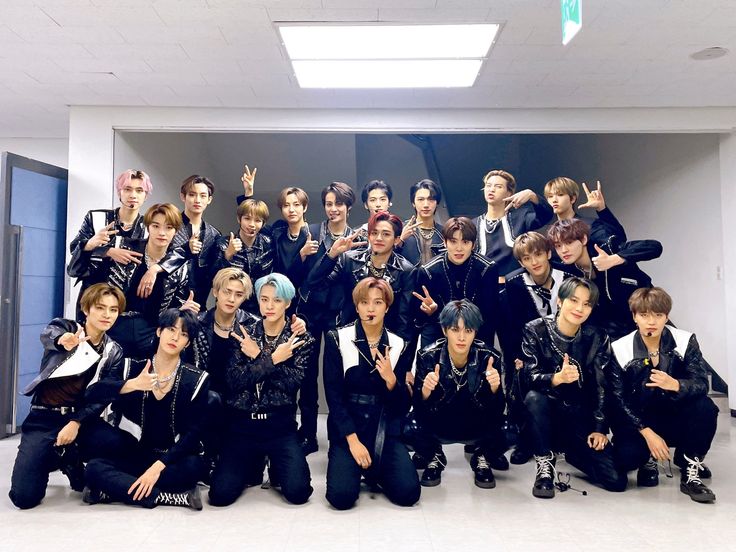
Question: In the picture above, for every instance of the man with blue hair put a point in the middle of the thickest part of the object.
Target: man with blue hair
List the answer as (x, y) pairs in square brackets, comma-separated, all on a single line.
[(458, 396), (261, 383)]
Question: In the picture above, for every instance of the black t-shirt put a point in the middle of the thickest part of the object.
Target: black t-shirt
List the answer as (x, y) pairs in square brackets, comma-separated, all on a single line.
[(222, 348), (158, 433)]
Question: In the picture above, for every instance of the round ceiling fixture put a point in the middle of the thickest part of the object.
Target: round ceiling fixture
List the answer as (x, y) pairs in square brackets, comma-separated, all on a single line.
[(709, 53)]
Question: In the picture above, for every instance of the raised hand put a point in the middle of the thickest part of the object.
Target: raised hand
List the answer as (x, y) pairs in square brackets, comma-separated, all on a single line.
[(568, 374), (123, 256), (431, 381), (286, 350), (247, 345), (492, 376), (603, 261), (195, 244), (428, 305), (518, 199), (190, 304), (249, 180), (233, 246), (101, 238), (384, 368), (343, 244), (298, 326), (310, 247), (146, 380), (593, 199), (408, 230), (71, 340), (658, 378)]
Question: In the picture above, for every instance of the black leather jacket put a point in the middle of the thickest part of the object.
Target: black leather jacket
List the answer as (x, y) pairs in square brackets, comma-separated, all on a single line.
[(349, 371), (201, 266), (260, 386), (188, 415), (105, 384), (349, 269), (410, 249), (198, 354), (543, 348), (483, 398), (679, 356), (480, 287)]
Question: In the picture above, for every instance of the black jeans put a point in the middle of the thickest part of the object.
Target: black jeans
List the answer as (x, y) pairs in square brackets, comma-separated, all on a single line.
[(244, 445), (114, 476), (555, 426), (38, 457), (688, 424), (309, 390), (395, 474)]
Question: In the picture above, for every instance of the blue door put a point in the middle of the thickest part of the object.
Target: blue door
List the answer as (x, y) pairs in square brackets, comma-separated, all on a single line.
[(35, 210)]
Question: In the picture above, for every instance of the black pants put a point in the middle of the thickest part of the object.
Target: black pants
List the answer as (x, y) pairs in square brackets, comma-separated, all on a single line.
[(484, 430), (309, 390), (689, 425), (243, 449), (38, 457), (395, 474), (554, 426), (114, 476)]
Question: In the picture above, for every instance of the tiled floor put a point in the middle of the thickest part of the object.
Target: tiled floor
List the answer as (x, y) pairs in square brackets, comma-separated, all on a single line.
[(454, 516)]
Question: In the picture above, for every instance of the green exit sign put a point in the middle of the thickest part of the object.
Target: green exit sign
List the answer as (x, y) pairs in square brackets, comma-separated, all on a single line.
[(572, 19)]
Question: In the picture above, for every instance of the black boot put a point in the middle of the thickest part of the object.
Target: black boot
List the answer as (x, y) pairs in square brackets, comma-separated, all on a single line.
[(648, 474), (499, 462), (544, 484), (190, 499), (483, 473), (690, 482), (70, 464), (432, 475), (681, 463), (520, 455), (93, 496)]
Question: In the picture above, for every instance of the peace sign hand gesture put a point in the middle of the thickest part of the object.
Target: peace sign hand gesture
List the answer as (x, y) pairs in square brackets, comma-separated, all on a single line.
[(408, 230), (343, 244), (71, 340), (101, 238), (594, 199), (428, 305), (492, 376), (247, 345), (248, 179), (286, 350), (384, 368)]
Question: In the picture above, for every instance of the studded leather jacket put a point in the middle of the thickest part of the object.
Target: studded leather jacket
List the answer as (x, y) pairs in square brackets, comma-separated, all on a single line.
[(543, 348)]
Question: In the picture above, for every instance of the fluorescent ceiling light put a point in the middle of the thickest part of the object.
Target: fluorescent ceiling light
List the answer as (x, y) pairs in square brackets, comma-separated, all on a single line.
[(388, 41), (424, 73)]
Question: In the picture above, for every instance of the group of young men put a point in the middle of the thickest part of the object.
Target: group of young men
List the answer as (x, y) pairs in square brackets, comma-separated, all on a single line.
[(155, 393)]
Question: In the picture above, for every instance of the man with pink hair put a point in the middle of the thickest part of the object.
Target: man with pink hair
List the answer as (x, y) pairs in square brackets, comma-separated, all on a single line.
[(104, 232)]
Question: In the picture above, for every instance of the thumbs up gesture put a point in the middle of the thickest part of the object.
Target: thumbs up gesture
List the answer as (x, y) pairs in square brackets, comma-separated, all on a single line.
[(195, 245), (603, 261), (190, 304), (492, 376), (70, 340), (233, 246), (298, 326), (430, 382), (310, 247), (568, 374)]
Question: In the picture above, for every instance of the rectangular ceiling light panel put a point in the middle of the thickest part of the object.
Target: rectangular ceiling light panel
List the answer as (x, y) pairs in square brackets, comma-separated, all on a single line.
[(387, 56)]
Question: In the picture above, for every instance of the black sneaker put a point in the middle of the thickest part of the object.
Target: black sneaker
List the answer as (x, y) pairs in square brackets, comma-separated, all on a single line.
[(483, 473), (690, 482), (432, 475), (93, 496), (544, 483), (309, 445), (499, 462), (520, 456), (189, 499), (648, 474)]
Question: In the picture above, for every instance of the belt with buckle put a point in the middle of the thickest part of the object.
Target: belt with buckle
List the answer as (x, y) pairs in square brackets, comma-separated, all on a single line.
[(259, 415), (61, 409), (357, 398)]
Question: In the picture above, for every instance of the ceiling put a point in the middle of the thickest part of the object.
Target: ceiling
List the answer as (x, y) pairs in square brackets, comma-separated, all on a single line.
[(226, 53)]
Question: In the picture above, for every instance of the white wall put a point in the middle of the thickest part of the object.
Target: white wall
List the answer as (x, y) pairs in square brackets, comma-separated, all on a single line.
[(54, 151), (727, 151)]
